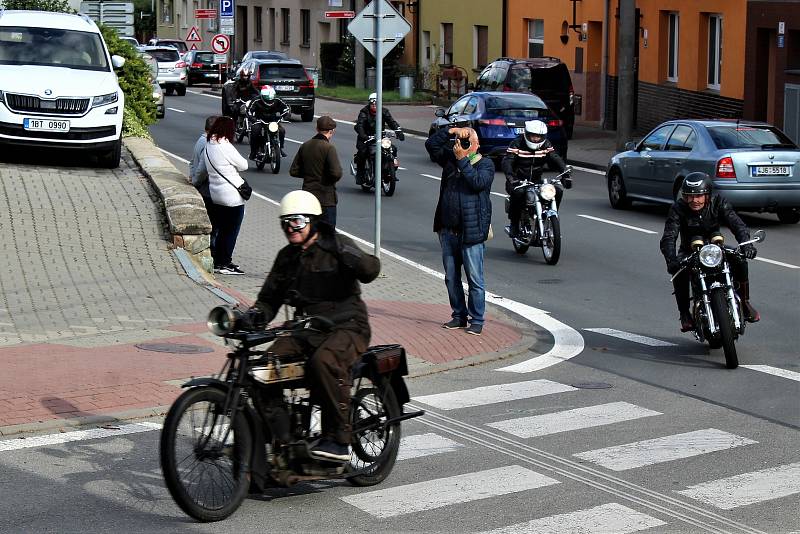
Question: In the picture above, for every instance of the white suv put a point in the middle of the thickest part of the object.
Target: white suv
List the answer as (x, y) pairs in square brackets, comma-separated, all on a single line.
[(58, 87)]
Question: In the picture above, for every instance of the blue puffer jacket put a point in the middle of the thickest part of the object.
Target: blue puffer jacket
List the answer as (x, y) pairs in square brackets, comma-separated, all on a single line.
[(464, 203)]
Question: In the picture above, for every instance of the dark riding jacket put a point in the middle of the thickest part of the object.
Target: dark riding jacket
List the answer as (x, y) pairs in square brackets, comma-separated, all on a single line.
[(365, 124), (268, 112), (520, 162)]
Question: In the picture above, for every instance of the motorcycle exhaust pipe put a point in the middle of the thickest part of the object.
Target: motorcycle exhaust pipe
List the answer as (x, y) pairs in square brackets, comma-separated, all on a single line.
[(352, 169), (224, 320)]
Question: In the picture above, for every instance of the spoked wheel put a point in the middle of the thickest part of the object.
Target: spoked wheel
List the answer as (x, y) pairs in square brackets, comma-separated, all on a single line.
[(240, 133), (205, 455), (369, 178), (524, 224), (374, 444), (551, 242), (388, 184), (275, 162), (719, 307)]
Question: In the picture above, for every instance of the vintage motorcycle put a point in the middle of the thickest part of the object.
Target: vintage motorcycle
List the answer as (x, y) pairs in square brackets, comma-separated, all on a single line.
[(252, 425), (539, 225), (271, 151), (389, 164), (242, 120), (716, 308)]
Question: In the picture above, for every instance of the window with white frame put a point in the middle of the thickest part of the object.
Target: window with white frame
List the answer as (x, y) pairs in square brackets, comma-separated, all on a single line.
[(714, 51), (535, 38), (673, 37)]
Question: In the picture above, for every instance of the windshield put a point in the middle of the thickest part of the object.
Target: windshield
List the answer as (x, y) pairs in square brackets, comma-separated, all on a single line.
[(165, 55), (281, 72), (747, 136), (514, 102), (52, 47)]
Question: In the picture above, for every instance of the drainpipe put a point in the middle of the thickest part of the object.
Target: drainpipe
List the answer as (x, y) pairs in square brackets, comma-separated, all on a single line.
[(604, 63)]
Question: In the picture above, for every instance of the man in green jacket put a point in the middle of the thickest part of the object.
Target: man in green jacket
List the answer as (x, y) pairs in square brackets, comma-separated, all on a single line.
[(318, 165)]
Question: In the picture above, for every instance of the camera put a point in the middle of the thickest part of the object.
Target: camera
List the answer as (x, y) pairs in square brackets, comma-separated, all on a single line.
[(464, 142)]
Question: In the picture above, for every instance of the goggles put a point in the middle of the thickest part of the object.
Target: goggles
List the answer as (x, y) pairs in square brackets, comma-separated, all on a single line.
[(294, 223)]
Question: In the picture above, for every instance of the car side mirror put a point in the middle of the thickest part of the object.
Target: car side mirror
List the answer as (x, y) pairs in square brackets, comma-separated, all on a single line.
[(440, 112), (117, 61), (630, 145)]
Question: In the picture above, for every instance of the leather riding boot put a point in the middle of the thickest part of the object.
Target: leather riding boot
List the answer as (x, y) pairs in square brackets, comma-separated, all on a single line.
[(687, 322), (751, 314)]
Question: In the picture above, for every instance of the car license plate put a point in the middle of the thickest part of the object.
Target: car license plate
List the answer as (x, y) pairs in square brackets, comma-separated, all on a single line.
[(519, 130), (164, 70), (772, 170), (45, 125), (284, 87)]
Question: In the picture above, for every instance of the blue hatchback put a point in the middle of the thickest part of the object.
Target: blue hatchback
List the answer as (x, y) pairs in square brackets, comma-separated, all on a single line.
[(499, 117)]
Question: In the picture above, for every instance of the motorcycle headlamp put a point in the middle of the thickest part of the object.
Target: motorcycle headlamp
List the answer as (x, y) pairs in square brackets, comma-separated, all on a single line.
[(547, 191), (273, 127), (103, 100), (386, 143), (711, 255)]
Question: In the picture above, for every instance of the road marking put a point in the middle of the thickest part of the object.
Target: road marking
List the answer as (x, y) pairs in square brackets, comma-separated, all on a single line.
[(177, 110), (627, 336), (775, 262), (748, 488), (186, 161), (591, 171), (664, 449), (568, 420), (441, 492), (484, 395), (78, 435), (777, 371), (607, 518), (204, 94), (438, 178), (420, 445), (629, 227)]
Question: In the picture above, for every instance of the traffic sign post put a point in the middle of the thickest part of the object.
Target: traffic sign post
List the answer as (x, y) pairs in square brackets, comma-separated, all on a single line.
[(376, 24)]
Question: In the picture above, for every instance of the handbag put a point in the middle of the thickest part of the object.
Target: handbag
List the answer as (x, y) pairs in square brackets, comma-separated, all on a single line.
[(244, 190)]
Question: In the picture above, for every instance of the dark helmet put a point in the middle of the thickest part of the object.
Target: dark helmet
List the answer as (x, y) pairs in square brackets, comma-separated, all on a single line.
[(696, 183)]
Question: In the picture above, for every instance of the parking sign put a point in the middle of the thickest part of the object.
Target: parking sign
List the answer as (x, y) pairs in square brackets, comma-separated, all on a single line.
[(226, 8)]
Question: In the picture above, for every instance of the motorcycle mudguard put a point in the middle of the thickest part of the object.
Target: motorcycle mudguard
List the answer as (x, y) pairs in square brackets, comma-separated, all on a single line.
[(386, 360), (549, 212)]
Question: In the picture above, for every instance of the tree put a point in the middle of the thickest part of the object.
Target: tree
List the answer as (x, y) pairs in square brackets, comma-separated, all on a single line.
[(60, 6)]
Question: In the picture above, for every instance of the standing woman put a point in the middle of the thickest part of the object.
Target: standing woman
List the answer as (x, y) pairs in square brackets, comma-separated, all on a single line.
[(224, 163)]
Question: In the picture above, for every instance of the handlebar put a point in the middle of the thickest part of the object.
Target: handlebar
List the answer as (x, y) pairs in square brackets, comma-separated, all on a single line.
[(386, 133)]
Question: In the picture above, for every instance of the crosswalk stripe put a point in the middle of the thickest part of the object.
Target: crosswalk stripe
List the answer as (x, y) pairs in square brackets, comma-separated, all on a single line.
[(664, 449), (636, 338), (493, 394), (78, 435), (437, 493), (748, 488), (777, 371), (607, 518), (420, 445), (588, 417)]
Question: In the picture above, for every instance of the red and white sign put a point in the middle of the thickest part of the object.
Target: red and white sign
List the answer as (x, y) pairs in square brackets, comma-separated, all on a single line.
[(193, 47), (340, 14), (205, 13), (220, 43), (194, 35)]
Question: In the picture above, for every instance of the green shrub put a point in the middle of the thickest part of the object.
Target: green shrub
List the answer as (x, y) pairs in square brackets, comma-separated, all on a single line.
[(60, 6), (132, 126)]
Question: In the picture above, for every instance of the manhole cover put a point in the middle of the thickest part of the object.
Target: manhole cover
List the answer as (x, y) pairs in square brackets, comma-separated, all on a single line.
[(592, 385), (175, 348)]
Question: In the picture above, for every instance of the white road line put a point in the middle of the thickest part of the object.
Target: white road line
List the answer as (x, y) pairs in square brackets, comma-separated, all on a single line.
[(441, 492), (204, 94), (78, 435), (629, 227), (777, 371), (484, 395), (177, 110), (627, 336), (568, 420), (420, 445), (775, 262), (664, 449), (606, 518), (591, 171), (170, 154), (438, 178), (748, 488)]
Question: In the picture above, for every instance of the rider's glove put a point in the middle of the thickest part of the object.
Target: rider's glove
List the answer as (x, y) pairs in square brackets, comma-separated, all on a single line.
[(400, 135), (673, 265), (749, 251), (252, 319)]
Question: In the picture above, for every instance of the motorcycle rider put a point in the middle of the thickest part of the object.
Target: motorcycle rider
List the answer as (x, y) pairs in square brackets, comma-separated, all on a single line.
[(318, 273), (242, 90), (526, 158), (699, 213), (365, 127), (267, 108)]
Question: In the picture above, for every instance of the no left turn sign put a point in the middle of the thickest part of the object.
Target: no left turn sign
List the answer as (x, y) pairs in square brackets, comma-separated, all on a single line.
[(220, 43)]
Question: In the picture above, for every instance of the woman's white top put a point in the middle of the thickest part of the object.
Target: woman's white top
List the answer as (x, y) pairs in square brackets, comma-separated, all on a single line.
[(225, 160)]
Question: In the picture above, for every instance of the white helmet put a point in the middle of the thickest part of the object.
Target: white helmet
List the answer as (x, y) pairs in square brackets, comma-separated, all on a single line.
[(300, 203), (267, 93), (373, 97), (535, 134)]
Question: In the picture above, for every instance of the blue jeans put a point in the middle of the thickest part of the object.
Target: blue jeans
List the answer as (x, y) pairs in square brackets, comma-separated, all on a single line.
[(329, 215), (229, 221), (454, 256)]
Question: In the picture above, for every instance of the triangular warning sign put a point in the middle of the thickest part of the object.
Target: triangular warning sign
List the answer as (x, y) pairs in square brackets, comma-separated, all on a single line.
[(193, 47), (194, 35)]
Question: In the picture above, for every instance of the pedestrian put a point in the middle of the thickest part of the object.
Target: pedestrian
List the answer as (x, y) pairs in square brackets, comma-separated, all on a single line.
[(198, 174), (317, 163), (463, 220), (224, 163)]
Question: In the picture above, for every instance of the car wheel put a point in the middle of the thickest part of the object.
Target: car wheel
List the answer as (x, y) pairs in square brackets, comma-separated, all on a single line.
[(788, 215), (181, 90), (307, 115), (169, 90), (617, 195), (110, 159)]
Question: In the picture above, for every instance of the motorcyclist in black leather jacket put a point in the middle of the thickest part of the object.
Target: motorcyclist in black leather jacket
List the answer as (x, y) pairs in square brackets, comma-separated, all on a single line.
[(699, 213), (365, 128), (526, 158), (242, 90), (267, 108)]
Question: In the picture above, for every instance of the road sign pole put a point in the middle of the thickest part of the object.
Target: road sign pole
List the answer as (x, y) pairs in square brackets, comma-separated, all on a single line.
[(378, 179)]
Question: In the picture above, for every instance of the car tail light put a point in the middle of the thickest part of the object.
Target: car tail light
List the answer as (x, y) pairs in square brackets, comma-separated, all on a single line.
[(555, 123), (492, 122), (309, 84), (180, 65), (197, 65), (725, 168)]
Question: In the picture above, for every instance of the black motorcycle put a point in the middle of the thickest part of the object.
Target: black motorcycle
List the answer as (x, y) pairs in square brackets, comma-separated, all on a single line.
[(270, 152), (716, 308), (389, 164), (539, 225), (242, 120), (253, 424)]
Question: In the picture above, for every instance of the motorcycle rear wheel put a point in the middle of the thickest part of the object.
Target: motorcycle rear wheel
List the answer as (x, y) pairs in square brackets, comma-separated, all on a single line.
[(719, 307), (374, 448), (551, 245), (275, 162), (207, 478)]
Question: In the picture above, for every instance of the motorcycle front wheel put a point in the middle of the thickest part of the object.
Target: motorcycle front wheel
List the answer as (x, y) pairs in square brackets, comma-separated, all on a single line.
[(388, 183), (374, 444), (551, 241), (275, 161), (205, 455), (719, 307)]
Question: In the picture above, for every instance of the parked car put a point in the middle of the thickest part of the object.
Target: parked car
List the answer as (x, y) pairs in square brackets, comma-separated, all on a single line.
[(175, 43), (499, 117), (200, 67), (58, 87), (288, 77), (546, 77), (172, 74), (132, 40), (753, 165), (158, 93)]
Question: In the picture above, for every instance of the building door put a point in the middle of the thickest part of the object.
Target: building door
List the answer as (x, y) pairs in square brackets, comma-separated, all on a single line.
[(791, 111)]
